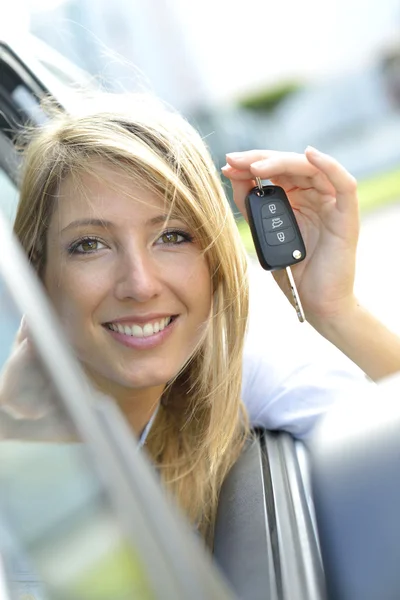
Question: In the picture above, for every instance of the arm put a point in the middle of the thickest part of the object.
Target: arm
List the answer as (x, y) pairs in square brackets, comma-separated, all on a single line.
[(364, 339), (324, 198)]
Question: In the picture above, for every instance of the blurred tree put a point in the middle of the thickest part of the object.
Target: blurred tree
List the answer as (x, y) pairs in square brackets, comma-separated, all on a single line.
[(266, 100)]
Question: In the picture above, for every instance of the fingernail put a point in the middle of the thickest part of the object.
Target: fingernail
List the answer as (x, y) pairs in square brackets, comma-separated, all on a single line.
[(313, 150), (260, 163), (23, 327), (234, 154), (224, 167)]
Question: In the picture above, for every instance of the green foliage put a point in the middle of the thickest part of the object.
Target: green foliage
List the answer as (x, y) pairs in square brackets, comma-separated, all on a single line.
[(377, 191), (266, 100), (117, 575)]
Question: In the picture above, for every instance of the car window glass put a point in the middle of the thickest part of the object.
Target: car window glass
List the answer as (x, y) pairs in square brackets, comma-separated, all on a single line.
[(78, 497), (52, 501), (24, 99), (8, 196)]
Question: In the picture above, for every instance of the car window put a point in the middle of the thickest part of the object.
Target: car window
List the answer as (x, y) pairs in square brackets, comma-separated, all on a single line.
[(53, 505), (60, 67), (82, 514), (8, 196)]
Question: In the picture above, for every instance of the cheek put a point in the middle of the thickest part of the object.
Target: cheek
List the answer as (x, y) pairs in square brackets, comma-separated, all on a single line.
[(195, 284), (73, 292)]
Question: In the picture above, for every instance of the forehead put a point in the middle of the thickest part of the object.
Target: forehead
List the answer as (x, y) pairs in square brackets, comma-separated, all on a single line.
[(108, 193)]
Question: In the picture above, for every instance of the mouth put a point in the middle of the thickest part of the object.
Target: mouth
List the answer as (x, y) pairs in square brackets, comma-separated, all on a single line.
[(144, 336), (141, 331)]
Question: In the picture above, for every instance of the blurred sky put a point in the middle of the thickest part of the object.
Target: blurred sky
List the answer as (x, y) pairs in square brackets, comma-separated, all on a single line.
[(240, 45)]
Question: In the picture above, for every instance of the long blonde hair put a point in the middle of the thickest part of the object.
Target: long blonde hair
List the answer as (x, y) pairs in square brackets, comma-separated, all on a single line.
[(201, 425)]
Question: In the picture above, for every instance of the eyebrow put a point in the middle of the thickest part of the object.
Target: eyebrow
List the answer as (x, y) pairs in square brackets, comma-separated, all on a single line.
[(104, 224)]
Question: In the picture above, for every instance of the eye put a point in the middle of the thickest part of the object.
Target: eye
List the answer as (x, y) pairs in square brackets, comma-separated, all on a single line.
[(174, 237), (87, 245)]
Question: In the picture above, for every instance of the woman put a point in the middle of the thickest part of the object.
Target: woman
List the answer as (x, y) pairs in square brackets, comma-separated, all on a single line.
[(123, 216)]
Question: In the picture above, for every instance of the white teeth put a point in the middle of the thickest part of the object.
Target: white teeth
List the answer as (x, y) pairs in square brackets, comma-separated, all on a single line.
[(148, 330), (137, 331)]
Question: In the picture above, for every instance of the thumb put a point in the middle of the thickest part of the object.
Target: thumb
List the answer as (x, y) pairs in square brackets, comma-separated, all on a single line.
[(240, 192), (22, 332)]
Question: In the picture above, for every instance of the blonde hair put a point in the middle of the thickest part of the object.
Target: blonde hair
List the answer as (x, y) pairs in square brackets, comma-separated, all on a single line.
[(201, 425)]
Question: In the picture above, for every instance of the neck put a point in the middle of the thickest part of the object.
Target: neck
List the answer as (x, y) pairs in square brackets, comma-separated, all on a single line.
[(137, 405)]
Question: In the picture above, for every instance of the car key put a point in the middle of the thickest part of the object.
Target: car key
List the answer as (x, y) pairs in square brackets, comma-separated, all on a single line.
[(275, 233)]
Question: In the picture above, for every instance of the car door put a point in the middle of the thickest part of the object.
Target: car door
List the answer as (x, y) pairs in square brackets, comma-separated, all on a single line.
[(29, 71)]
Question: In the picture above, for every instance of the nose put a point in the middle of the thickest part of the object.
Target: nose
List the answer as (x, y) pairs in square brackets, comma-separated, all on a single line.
[(138, 278)]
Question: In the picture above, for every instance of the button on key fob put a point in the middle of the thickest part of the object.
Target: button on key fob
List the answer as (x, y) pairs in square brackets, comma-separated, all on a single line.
[(275, 233), (274, 228)]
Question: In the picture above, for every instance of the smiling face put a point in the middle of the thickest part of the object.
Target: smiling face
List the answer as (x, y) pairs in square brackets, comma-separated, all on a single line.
[(133, 292)]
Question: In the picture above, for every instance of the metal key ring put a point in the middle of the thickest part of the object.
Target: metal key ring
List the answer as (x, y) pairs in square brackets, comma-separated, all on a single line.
[(260, 186)]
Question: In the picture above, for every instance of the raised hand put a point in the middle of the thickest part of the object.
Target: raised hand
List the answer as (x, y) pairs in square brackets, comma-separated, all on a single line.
[(29, 407), (324, 199)]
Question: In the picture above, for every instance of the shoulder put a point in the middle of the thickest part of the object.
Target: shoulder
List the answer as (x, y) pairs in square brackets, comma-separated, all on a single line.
[(292, 388), (291, 375)]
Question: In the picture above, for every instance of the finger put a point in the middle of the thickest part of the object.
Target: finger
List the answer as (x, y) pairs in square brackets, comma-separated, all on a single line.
[(23, 337), (344, 183), (240, 191), (242, 160), (22, 332), (23, 385), (288, 182), (266, 163), (53, 428), (285, 164), (291, 183), (285, 176), (238, 174)]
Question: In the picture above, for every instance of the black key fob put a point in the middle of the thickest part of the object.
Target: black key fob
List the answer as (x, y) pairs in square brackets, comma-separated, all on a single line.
[(274, 228)]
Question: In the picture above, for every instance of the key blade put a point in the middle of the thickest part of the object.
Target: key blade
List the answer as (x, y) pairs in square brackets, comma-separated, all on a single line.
[(295, 294)]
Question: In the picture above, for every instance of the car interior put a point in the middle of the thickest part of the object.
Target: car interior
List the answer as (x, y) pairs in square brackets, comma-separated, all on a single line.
[(281, 533)]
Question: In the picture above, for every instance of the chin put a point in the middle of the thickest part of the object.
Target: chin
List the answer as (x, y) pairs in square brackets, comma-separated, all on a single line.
[(147, 379)]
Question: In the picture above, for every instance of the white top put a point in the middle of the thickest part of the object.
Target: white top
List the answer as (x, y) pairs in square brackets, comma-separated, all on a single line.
[(291, 374), (292, 393)]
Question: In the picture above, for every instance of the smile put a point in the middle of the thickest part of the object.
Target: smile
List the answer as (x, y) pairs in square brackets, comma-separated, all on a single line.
[(145, 336), (138, 331)]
